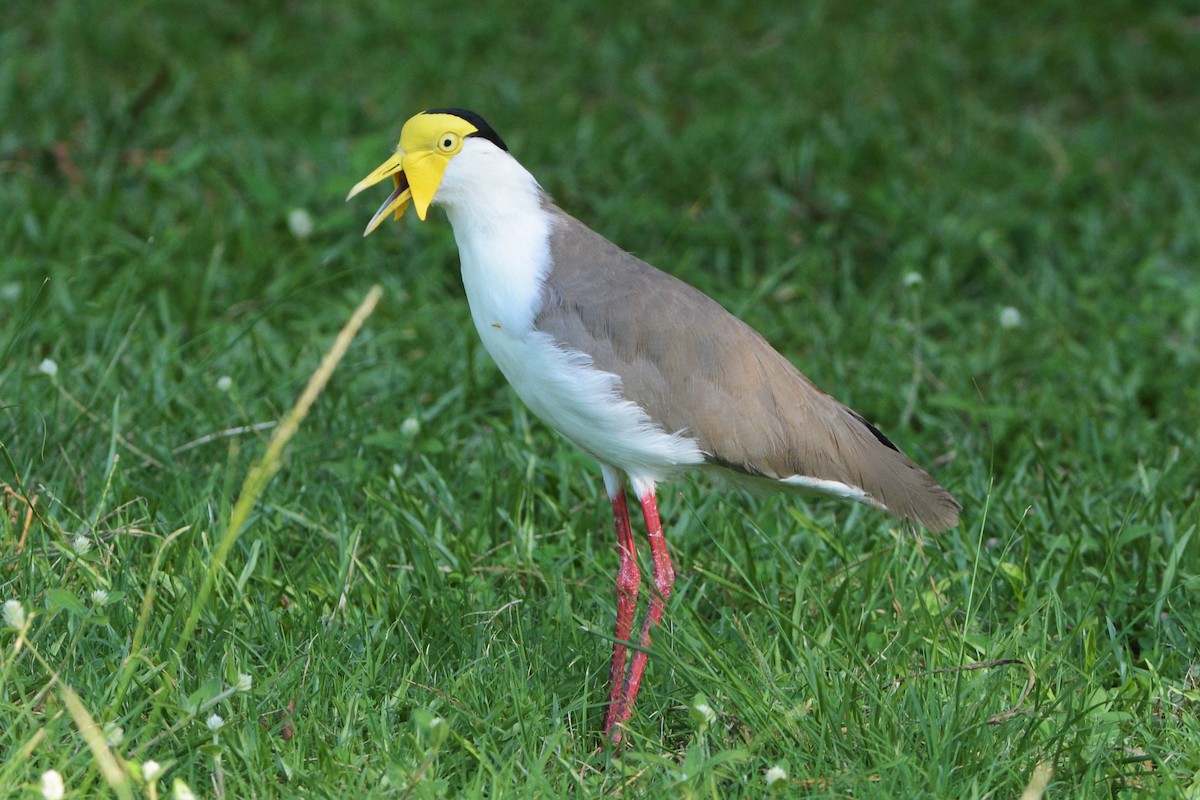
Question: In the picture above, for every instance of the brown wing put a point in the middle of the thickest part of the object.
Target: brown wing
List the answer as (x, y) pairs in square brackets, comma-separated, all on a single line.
[(695, 367)]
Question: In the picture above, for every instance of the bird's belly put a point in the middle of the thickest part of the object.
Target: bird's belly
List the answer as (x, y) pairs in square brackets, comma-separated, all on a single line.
[(584, 404)]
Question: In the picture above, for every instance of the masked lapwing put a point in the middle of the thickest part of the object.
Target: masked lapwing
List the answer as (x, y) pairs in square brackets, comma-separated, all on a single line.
[(643, 372)]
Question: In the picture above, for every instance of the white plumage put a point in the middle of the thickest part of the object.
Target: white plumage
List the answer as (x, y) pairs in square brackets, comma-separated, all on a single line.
[(504, 249)]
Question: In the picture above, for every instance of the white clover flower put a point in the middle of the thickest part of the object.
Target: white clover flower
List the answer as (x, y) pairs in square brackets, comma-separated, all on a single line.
[(151, 770), (48, 367), (705, 713), (113, 734), (913, 279), (14, 614), (1010, 317), (99, 597), (244, 682), (774, 775), (300, 223), (52, 785), (224, 383), (182, 791), (215, 722), (81, 545), (410, 426)]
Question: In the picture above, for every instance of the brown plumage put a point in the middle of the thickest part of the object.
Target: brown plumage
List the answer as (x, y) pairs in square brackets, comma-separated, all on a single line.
[(696, 368)]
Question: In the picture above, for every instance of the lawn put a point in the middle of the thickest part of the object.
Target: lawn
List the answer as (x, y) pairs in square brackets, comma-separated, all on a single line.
[(977, 223)]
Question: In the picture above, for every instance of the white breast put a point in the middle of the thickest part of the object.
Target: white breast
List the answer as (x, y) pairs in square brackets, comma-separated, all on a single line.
[(503, 237), (584, 404)]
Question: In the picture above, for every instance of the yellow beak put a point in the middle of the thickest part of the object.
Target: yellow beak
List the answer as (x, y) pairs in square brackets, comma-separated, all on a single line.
[(416, 174), (398, 200), (427, 143)]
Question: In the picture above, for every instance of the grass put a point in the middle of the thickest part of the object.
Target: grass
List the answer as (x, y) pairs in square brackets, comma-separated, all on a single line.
[(422, 597)]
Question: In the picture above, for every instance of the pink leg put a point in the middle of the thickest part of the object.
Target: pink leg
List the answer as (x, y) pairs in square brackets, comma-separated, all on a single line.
[(628, 580), (664, 579)]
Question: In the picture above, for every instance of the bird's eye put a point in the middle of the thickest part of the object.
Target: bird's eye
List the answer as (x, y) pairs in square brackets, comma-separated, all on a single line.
[(449, 142)]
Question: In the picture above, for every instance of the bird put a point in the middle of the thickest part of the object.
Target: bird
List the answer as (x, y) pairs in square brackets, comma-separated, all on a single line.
[(643, 372)]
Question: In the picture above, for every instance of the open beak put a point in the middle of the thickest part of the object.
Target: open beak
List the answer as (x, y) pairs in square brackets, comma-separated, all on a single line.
[(398, 201)]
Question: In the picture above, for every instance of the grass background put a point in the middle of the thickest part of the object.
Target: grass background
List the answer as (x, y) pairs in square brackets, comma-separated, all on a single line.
[(796, 161)]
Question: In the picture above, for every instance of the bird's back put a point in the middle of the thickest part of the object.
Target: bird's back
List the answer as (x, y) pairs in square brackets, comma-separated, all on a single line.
[(694, 367)]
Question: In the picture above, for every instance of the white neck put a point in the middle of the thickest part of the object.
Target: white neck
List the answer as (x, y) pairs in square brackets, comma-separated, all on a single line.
[(503, 225), (503, 235)]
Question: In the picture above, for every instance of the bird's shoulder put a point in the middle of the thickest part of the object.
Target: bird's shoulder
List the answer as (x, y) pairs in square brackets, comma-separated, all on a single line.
[(631, 317), (589, 271)]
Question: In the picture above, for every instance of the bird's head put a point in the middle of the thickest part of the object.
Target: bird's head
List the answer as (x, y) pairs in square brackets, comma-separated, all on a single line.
[(428, 143)]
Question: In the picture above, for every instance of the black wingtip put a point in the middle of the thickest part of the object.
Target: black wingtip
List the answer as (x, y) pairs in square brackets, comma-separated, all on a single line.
[(878, 434)]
